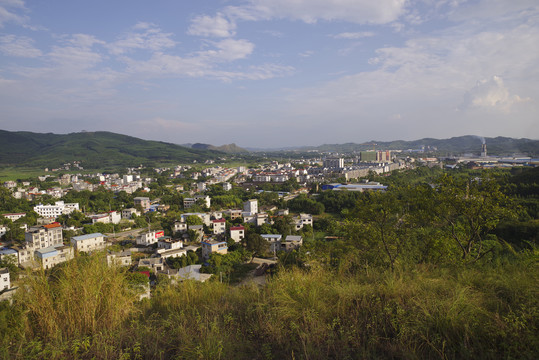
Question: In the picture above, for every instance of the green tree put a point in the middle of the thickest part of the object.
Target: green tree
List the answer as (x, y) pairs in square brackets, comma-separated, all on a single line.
[(470, 209), (255, 244)]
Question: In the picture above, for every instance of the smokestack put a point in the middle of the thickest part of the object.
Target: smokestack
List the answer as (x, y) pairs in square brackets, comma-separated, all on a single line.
[(484, 150)]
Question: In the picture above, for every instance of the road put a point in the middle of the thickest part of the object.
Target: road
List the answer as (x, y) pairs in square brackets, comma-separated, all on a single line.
[(124, 235)]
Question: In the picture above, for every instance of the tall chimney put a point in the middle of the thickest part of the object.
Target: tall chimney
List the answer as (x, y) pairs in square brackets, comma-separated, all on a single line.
[(484, 150)]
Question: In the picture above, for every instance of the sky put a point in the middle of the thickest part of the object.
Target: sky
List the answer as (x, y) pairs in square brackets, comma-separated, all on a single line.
[(271, 73)]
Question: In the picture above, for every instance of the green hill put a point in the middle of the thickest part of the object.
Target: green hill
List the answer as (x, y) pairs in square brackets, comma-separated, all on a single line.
[(94, 149), (228, 148)]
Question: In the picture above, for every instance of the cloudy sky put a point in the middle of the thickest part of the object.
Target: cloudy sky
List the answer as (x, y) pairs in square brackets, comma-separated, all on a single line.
[(269, 73)]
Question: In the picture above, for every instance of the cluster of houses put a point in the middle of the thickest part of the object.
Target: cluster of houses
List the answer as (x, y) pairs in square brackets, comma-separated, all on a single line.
[(44, 244)]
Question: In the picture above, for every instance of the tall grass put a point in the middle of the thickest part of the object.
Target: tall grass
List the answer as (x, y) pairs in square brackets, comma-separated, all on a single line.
[(81, 299), (84, 310)]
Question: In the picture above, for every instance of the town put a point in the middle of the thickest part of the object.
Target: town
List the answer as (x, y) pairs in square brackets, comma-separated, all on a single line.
[(151, 233)]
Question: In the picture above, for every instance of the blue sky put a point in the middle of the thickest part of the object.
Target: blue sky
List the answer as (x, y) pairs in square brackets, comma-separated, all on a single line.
[(270, 73)]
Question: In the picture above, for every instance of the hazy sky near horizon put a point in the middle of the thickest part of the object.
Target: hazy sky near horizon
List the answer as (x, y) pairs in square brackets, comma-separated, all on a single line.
[(270, 73)]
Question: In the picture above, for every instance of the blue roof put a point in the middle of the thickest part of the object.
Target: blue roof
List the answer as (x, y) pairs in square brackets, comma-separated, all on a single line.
[(7, 251), (87, 236), (47, 252)]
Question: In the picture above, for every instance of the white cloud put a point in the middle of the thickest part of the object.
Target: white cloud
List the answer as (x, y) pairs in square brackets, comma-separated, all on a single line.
[(145, 36), (424, 81), (353, 35), (307, 53), (8, 9), (311, 11), (229, 50), (212, 26), (491, 94), (20, 46)]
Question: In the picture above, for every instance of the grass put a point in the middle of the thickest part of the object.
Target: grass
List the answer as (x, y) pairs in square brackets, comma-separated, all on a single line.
[(423, 311)]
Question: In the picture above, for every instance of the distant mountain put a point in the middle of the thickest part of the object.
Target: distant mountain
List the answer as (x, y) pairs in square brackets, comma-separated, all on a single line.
[(455, 145), (230, 148), (95, 150)]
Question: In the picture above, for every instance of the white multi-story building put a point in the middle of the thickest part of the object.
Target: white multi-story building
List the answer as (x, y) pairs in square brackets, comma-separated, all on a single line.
[(250, 206), (59, 208), (303, 219), (128, 213), (50, 256), (203, 216), (219, 226), (89, 242), (227, 186), (168, 243), (14, 216), (237, 233), (39, 237), (112, 217), (150, 237), (119, 258), (334, 162), (180, 227), (5, 282)]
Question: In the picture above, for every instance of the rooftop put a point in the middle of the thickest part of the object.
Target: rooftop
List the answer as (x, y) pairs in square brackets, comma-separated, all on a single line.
[(87, 236)]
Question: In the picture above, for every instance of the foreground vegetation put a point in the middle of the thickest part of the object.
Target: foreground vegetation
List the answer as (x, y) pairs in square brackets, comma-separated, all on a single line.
[(86, 310)]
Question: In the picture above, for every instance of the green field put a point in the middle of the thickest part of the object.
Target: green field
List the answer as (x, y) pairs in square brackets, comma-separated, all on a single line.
[(14, 173)]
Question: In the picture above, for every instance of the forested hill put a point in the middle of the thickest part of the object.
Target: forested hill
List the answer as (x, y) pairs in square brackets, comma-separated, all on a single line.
[(93, 149), (455, 145)]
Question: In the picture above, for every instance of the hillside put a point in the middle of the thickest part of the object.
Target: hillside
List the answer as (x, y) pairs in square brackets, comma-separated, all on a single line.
[(93, 149), (455, 145), (228, 148)]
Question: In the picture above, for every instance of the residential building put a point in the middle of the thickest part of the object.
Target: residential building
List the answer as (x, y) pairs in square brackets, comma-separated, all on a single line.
[(189, 203), (201, 186), (303, 219), (128, 213), (39, 237), (149, 238), (5, 282), (144, 202), (119, 258), (199, 229), (59, 208), (219, 226), (192, 272), (250, 207), (204, 200), (172, 253), (167, 243), (292, 242), (212, 246), (7, 252), (233, 213), (156, 264), (3, 230), (333, 163), (274, 241), (179, 227), (89, 242), (237, 233), (203, 216), (53, 255), (227, 186), (14, 216), (112, 217)]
